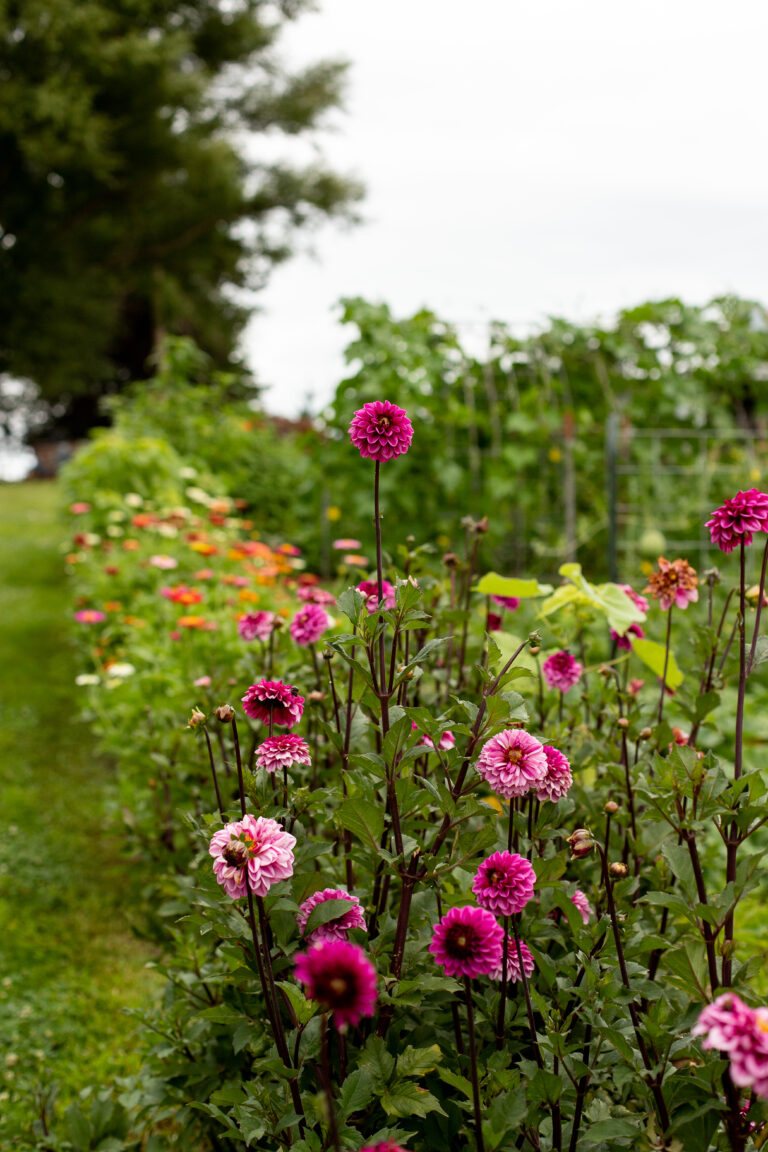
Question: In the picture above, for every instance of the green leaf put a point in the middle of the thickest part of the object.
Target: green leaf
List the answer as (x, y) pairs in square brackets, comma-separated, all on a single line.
[(456, 1081), (351, 603), (612, 1130), (328, 910), (508, 645), (418, 1061), (356, 1092), (378, 1061), (363, 819), (303, 1009), (406, 1099), (653, 655), (495, 585), (610, 599)]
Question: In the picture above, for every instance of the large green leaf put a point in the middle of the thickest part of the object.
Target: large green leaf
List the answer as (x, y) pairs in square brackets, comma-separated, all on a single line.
[(405, 1098), (494, 585), (328, 910), (610, 599), (652, 655)]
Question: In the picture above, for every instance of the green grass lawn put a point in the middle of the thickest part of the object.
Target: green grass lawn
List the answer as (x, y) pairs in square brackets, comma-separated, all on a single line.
[(69, 965)]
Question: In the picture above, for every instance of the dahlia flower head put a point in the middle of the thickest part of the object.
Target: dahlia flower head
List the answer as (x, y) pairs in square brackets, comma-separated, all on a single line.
[(513, 962), (384, 1146), (370, 589), (256, 626), (508, 602), (308, 625), (341, 978), (467, 942), (562, 671), (558, 780), (582, 905), (729, 1025), (381, 431), (271, 699), (282, 752), (738, 519), (504, 883), (256, 847), (315, 595), (512, 763), (445, 743), (332, 929), (674, 583)]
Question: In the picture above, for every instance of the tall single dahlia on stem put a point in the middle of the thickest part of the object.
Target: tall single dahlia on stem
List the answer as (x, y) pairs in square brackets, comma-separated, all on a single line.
[(504, 883), (336, 929), (674, 583), (254, 846), (738, 519), (558, 780), (308, 624), (467, 942), (340, 977), (582, 905), (381, 431), (512, 762), (256, 626), (513, 963), (279, 752), (271, 699), (562, 671), (369, 589)]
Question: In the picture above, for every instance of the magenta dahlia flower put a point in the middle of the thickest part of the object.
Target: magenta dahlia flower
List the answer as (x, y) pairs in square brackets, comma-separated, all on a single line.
[(508, 602), (340, 977), (381, 430), (332, 929), (254, 846), (467, 942), (731, 1026), (314, 595), (512, 762), (504, 883), (256, 626), (273, 699), (513, 963), (90, 616), (562, 671), (384, 1146), (370, 590), (308, 624), (493, 622), (623, 638), (582, 905), (279, 752), (558, 780), (738, 519)]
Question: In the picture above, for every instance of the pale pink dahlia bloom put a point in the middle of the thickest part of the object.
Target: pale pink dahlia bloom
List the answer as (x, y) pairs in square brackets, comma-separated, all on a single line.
[(504, 883), (562, 671), (582, 905), (467, 942), (308, 624), (340, 977), (314, 595), (558, 780), (381, 430), (738, 519), (731, 1026), (256, 846), (273, 699), (446, 742), (278, 752), (513, 963), (370, 589), (256, 626), (512, 762), (164, 563), (332, 929)]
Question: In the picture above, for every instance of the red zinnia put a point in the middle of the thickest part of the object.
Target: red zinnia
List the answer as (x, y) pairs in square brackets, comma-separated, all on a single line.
[(381, 431)]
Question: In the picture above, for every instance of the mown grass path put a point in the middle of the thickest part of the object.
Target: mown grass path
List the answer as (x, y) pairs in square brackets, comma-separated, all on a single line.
[(68, 962)]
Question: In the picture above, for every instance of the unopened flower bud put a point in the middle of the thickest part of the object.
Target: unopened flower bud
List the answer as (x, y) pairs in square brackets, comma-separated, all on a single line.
[(581, 842), (623, 722), (645, 734), (316, 696), (604, 671), (618, 870), (278, 623), (328, 655), (711, 576), (196, 718), (451, 560), (410, 540), (225, 713), (611, 807), (534, 650)]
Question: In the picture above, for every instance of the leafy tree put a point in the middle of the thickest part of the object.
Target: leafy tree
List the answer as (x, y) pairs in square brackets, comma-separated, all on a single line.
[(132, 199)]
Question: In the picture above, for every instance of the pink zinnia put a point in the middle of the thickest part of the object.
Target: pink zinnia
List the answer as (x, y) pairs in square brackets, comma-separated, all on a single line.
[(278, 752), (164, 563), (315, 595), (446, 742), (271, 699), (558, 780), (347, 544), (381, 431), (332, 929), (512, 762), (467, 942), (256, 844), (339, 976), (582, 905), (508, 602), (504, 883), (513, 963), (90, 616), (738, 519), (370, 589), (562, 671), (256, 626), (308, 624)]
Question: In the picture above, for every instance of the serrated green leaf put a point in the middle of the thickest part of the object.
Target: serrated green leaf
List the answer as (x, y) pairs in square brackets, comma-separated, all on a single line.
[(363, 819), (418, 1061), (356, 1092), (405, 1098)]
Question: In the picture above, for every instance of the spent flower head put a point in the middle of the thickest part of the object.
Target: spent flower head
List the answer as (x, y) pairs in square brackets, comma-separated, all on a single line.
[(675, 582)]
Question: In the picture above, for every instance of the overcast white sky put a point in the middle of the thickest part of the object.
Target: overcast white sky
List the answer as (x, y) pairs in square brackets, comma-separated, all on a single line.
[(525, 158)]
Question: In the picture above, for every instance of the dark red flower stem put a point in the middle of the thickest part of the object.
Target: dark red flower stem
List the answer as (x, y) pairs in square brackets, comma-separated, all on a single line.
[(501, 1019), (666, 664), (473, 1065), (733, 839), (215, 777), (239, 762), (758, 613), (327, 1083)]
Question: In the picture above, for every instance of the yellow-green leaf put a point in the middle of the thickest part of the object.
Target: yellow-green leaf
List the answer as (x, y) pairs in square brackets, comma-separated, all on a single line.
[(652, 655), (494, 585)]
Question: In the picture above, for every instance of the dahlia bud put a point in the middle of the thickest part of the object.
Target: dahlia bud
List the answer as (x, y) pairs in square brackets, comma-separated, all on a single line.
[(581, 842), (618, 870), (196, 718), (611, 807), (604, 671), (645, 734), (711, 576), (451, 560), (623, 722), (410, 541), (278, 623), (534, 651), (316, 696), (328, 655), (481, 526), (225, 713)]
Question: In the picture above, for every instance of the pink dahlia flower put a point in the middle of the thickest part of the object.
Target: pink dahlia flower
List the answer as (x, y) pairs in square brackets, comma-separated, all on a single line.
[(370, 589), (508, 602), (674, 583), (562, 671), (271, 699), (381, 430), (164, 563), (90, 616), (308, 624), (493, 622), (202, 682), (446, 742), (504, 883), (339, 976), (256, 846), (315, 595), (279, 752), (738, 519), (512, 762), (513, 963), (384, 1146), (332, 929), (623, 638), (256, 626), (558, 780), (730, 1026), (467, 942), (582, 905), (347, 544)]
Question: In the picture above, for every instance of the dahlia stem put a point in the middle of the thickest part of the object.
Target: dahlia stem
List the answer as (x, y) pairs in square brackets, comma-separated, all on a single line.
[(501, 1021), (473, 1064), (239, 762), (215, 777), (526, 991), (327, 1082), (465, 624), (666, 665), (733, 839), (394, 811), (756, 632)]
